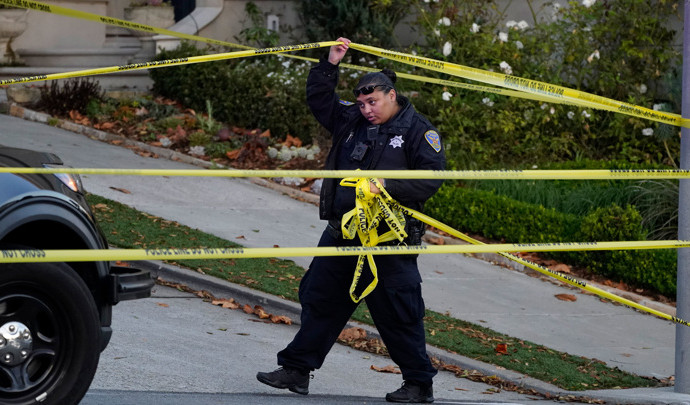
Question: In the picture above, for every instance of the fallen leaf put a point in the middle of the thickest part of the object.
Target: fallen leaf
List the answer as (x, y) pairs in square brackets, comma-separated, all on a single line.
[(232, 155), (240, 237), (259, 311), (352, 334), (501, 348), (561, 268), (566, 297), (248, 309), (226, 303), (160, 304), (122, 190), (387, 369), (281, 319)]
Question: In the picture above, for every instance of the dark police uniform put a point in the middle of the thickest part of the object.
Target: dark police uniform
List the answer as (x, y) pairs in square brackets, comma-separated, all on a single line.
[(406, 141)]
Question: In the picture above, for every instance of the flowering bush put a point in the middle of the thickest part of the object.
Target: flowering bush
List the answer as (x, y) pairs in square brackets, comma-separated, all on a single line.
[(619, 49)]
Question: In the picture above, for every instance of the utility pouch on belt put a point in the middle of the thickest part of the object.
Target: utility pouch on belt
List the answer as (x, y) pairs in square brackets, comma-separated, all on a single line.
[(415, 230)]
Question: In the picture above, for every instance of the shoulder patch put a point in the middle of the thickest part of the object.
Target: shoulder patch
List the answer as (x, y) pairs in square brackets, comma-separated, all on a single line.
[(345, 102), (433, 139)]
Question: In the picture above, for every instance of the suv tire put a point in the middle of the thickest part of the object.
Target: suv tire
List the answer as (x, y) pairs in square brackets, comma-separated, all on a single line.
[(50, 334)]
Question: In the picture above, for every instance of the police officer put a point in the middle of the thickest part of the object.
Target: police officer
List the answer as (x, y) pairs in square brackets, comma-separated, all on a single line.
[(380, 131)]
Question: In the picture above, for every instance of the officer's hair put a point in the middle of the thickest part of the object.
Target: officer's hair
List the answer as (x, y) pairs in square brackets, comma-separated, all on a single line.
[(386, 77)]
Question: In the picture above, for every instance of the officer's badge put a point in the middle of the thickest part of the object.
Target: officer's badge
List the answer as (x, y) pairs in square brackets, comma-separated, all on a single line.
[(433, 139), (396, 141), (347, 103)]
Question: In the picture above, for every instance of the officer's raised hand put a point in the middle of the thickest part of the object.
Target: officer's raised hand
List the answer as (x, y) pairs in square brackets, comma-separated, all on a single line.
[(337, 52)]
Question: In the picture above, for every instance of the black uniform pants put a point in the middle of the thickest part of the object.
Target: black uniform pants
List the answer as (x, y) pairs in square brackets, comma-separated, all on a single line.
[(397, 312)]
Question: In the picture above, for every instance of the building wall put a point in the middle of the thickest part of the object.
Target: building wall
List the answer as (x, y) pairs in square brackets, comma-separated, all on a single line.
[(233, 19), (51, 31)]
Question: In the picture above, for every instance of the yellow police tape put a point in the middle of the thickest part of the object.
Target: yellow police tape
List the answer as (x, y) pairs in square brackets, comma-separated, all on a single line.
[(53, 9), (527, 89), (544, 270), (364, 220), (612, 174), (43, 256), (537, 88), (168, 62)]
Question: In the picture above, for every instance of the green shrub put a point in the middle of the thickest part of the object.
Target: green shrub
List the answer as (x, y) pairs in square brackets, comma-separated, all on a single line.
[(501, 218), (259, 92), (368, 22), (654, 269), (618, 49)]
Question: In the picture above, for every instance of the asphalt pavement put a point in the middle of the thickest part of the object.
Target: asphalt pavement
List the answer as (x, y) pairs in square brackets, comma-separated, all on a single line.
[(504, 300)]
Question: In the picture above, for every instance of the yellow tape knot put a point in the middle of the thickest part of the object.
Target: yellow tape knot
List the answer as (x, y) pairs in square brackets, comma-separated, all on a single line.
[(371, 209)]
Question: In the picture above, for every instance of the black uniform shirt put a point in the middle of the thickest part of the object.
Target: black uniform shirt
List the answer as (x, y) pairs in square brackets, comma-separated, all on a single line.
[(406, 141)]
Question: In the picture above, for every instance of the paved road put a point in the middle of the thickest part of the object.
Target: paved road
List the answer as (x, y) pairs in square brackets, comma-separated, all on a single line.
[(175, 348)]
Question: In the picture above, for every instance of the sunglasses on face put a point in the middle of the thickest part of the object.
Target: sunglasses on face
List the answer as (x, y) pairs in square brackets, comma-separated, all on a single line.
[(368, 89)]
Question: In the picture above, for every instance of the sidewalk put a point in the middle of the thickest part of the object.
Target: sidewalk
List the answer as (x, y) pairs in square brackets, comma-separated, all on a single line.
[(507, 301)]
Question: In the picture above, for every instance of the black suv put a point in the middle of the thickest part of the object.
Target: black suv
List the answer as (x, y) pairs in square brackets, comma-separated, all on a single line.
[(54, 317)]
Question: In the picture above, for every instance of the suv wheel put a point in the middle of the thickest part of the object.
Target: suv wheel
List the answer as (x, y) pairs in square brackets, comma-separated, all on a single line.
[(49, 334)]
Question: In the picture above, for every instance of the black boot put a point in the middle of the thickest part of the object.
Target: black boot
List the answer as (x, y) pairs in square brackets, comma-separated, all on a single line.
[(411, 393), (290, 378)]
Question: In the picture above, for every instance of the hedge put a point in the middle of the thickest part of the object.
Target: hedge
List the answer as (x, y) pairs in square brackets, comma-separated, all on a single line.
[(501, 218)]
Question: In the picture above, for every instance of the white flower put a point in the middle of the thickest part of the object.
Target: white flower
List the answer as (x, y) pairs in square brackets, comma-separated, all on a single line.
[(519, 45), (659, 107), (447, 48), (475, 28), (270, 74), (552, 111), (544, 106), (511, 24), (503, 36), (446, 96), (522, 25), (534, 166), (197, 150), (437, 32), (555, 11), (286, 64), (272, 152), (642, 88), (315, 149), (648, 132), (586, 114), (426, 1), (594, 54), (487, 101), (505, 67), (588, 3), (571, 114), (165, 141), (310, 156), (444, 21)]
